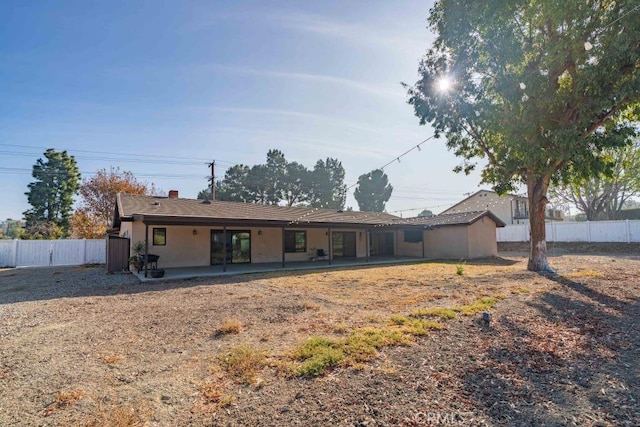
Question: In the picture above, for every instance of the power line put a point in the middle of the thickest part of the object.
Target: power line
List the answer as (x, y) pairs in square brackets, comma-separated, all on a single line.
[(396, 159), (138, 155)]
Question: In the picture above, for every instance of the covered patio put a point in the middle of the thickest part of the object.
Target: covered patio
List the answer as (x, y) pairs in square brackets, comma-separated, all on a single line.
[(182, 273)]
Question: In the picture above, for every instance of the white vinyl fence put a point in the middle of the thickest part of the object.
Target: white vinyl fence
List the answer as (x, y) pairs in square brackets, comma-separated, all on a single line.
[(589, 231), (23, 253)]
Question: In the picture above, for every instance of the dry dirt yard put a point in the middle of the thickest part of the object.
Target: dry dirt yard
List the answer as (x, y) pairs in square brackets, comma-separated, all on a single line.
[(383, 346)]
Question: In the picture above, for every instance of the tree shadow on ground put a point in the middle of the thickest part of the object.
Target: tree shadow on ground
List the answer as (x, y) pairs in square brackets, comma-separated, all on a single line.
[(569, 358)]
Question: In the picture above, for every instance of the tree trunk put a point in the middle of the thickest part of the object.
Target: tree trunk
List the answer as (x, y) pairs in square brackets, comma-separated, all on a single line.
[(537, 194)]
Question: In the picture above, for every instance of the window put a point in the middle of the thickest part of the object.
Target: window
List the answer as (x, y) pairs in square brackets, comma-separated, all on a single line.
[(413, 236), (159, 236), (295, 241)]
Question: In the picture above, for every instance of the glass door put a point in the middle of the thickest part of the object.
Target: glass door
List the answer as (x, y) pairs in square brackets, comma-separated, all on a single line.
[(344, 244), (238, 247)]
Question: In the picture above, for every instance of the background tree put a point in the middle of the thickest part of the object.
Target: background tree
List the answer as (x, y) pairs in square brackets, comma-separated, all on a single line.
[(279, 180), (425, 213), (51, 195), (604, 195), (373, 191), (11, 229), (233, 188), (296, 184), (98, 201), (538, 90), (328, 189)]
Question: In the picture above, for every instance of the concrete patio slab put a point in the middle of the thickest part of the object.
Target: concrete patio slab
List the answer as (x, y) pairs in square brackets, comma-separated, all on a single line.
[(181, 273)]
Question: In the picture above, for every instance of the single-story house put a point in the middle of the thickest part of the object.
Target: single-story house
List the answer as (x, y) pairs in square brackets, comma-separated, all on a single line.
[(190, 233)]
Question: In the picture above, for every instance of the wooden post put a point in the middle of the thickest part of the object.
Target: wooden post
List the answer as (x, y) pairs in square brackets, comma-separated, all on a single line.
[(224, 248), (283, 246), (367, 244), (146, 248), (330, 246)]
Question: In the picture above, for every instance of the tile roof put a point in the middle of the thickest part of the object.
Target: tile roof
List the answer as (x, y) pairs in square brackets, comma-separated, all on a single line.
[(189, 209)]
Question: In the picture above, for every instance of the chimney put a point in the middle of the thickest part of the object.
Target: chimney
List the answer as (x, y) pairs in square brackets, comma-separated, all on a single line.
[(173, 194)]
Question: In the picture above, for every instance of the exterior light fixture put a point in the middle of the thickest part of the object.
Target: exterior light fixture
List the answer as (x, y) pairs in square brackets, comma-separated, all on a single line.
[(195, 232)]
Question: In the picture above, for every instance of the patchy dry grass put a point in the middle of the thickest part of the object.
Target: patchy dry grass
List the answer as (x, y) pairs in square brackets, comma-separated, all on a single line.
[(62, 400), (293, 325), (230, 326), (110, 359), (243, 363)]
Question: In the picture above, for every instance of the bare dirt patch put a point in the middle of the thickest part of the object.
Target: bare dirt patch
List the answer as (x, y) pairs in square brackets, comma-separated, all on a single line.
[(79, 347)]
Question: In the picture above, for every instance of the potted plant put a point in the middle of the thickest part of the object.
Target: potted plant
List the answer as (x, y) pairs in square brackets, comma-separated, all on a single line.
[(157, 273)]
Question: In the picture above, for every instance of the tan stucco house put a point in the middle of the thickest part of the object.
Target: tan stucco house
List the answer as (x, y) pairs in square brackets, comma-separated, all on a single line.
[(510, 208), (190, 233)]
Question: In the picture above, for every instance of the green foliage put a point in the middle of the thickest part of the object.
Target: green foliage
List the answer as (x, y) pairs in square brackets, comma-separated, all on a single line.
[(439, 312), (317, 355), (328, 189), (279, 181), (604, 195), (460, 268), (539, 90), (11, 229), (373, 191), (425, 213), (57, 179)]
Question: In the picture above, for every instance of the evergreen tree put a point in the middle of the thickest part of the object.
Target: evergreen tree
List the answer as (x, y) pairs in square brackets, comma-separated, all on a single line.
[(373, 191), (57, 179)]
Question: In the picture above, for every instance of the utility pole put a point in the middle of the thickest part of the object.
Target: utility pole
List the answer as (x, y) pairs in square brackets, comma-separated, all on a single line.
[(213, 179)]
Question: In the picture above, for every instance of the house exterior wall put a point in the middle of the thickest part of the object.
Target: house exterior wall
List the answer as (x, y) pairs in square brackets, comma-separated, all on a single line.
[(184, 248), (447, 242), (482, 239), (407, 249), (501, 206)]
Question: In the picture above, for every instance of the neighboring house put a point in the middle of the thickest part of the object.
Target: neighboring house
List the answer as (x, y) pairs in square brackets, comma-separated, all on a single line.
[(187, 232), (510, 208)]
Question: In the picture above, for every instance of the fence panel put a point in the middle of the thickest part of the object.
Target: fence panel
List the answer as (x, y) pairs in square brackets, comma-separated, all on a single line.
[(634, 230), (33, 252), (7, 253), (96, 252), (67, 252), (51, 252), (589, 231), (569, 232)]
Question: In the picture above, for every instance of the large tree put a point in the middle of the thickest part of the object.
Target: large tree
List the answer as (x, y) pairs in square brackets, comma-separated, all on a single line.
[(604, 195), (57, 179), (538, 89), (98, 200), (328, 189), (373, 191)]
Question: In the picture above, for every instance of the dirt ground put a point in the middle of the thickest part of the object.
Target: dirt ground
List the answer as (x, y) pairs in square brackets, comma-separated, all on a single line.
[(79, 347)]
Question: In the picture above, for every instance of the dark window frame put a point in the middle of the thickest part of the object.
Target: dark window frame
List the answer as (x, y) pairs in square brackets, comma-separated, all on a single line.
[(161, 232), (291, 244), (413, 236)]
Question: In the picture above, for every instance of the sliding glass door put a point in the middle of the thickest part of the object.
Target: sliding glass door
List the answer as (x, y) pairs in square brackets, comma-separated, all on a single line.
[(238, 247)]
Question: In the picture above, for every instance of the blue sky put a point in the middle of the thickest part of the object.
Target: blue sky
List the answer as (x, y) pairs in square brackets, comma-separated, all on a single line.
[(161, 88)]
